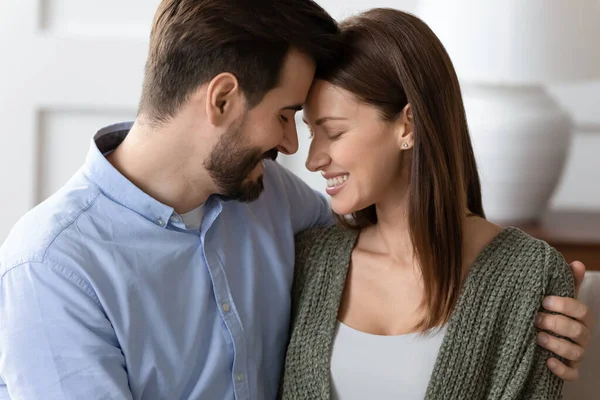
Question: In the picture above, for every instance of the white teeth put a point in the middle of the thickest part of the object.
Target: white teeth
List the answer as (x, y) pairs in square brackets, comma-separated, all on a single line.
[(338, 180)]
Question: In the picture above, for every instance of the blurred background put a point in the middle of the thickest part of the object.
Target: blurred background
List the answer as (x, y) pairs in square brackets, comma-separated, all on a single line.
[(68, 67)]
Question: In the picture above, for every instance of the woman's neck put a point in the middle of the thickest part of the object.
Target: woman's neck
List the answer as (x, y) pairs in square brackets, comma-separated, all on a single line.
[(392, 234)]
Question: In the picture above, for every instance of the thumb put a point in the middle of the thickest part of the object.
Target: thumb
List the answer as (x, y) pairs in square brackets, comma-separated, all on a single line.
[(578, 270)]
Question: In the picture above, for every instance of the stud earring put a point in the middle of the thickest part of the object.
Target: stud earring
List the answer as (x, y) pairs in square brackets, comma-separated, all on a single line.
[(405, 145)]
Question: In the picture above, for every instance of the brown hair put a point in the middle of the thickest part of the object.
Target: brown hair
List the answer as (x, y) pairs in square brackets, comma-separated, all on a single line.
[(192, 41), (391, 59)]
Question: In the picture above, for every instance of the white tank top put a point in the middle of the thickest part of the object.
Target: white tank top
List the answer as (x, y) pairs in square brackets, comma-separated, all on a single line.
[(366, 366)]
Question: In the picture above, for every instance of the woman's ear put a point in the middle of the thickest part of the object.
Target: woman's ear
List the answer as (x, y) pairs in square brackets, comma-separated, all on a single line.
[(406, 138), (224, 99)]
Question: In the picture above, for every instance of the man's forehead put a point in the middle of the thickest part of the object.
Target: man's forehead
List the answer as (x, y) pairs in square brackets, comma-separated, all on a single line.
[(298, 70)]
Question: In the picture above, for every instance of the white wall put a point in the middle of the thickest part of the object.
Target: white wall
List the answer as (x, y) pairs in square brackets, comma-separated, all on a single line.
[(580, 185), (66, 68)]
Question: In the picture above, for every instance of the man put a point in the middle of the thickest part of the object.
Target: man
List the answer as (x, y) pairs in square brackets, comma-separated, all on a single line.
[(162, 269)]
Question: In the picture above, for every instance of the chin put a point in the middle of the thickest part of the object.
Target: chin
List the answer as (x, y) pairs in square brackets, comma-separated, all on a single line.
[(342, 207)]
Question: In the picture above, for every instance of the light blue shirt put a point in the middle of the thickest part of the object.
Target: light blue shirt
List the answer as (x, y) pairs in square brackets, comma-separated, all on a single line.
[(104, 294)]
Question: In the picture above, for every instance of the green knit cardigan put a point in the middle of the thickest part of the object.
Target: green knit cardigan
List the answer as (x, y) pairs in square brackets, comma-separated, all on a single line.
[(489, 350)]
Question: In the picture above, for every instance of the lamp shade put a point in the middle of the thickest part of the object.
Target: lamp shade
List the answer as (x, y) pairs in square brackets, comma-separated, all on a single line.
[(518, 41)]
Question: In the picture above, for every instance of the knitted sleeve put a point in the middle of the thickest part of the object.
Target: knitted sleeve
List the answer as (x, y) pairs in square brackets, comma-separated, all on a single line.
[(542, 383), (304, 242)]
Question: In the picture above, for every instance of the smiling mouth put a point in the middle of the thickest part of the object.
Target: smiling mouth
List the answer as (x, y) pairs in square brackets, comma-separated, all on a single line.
[(337, 181)]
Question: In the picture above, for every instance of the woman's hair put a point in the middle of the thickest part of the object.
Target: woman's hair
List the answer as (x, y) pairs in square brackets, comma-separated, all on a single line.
[(391, 59)]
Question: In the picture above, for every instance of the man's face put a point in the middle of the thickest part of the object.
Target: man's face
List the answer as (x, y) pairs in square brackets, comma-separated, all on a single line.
[(235, 163)]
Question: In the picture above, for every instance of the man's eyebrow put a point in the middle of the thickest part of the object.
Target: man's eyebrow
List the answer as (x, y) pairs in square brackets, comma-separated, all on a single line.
[(322, 120), (294, 107)]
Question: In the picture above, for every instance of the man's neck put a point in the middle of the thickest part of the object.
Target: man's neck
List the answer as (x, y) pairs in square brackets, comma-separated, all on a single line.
[(163, 164)]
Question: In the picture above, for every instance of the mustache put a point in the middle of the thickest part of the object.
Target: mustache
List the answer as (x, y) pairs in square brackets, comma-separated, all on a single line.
[(271, 154)]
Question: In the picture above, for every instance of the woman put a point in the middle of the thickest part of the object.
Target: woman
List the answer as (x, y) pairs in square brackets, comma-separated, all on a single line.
[(422, 297)]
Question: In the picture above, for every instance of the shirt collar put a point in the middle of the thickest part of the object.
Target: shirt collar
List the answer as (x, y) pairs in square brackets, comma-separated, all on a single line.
[(116, 186)]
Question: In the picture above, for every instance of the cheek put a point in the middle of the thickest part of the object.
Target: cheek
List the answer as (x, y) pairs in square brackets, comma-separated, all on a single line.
[(266, 133), (358, 160), (273, 132), (373, 166), (365, 158)]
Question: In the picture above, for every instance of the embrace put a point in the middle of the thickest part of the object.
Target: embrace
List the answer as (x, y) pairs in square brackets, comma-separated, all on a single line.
[(183, 262)]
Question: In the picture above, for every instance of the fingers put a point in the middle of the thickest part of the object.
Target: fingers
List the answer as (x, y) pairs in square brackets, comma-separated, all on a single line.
[(578, 270), (561, 347), (562, 371), (569, 307), (563, 326)]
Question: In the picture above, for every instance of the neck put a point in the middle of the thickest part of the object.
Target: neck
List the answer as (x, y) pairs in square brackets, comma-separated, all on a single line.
[(162, 163), (392, 228)]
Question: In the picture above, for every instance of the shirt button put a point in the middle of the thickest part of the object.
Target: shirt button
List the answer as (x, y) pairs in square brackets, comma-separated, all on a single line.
[(176, 219), (239, 377), (160, 222), (226, 307)]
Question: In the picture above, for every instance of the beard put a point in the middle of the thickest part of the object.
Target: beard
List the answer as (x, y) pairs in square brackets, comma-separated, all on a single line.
[(231, 162)]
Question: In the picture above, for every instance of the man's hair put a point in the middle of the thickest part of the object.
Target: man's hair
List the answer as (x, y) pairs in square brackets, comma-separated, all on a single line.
[(192, 41)]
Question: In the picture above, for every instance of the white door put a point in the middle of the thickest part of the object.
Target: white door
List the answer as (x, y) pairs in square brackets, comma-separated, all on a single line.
[(67, 67)]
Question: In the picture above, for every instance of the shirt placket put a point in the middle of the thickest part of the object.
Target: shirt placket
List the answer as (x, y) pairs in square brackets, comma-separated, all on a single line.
[(228, 312)]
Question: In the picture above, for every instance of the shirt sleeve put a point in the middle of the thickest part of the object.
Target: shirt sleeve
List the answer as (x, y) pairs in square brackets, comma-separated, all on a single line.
[(308, 208), (55, 340), (542, 384)]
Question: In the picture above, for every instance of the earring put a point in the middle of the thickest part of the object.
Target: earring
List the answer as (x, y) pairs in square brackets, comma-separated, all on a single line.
[(405, 145)]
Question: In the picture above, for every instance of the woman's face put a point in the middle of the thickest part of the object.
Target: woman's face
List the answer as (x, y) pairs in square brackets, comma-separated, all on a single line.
[(357, 151)]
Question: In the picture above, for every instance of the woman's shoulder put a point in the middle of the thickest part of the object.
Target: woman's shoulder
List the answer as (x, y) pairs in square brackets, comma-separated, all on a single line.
[(518, 255), (516, 245), (321, 245), (495, 313), (324, 238)]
